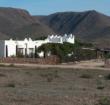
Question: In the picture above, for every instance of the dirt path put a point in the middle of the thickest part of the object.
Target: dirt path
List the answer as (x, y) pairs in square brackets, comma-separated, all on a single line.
[(91, 64)]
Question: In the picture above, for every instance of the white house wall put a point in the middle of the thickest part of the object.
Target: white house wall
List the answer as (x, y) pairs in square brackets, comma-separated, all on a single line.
[(11, 47), (61, 39), (29, 45)]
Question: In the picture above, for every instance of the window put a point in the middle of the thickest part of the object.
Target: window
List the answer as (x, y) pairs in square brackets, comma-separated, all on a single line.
[(20, 50), (31, 50)]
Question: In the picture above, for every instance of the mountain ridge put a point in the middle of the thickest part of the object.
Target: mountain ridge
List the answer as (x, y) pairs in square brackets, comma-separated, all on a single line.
[(89, 25)]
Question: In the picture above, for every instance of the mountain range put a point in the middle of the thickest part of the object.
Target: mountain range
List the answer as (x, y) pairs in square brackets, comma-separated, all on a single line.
[(90, 26)]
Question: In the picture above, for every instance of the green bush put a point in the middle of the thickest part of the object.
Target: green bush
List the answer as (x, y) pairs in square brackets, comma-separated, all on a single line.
[(62, 51)]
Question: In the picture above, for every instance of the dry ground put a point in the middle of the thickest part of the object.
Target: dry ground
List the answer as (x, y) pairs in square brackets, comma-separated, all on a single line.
[(52, 86), (90, 64)]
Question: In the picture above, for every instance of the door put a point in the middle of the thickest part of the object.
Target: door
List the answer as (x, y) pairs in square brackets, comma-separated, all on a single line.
[(6, 51)]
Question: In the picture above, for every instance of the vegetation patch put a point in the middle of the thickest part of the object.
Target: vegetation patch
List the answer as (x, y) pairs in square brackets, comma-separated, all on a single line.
[(11, 65), (68, 52), (107, 77), (28, 73), (100, 84), (50, 76), (2, 75), (2, 65), (86, 76), (12, 85), (104, 101), (100, 87)]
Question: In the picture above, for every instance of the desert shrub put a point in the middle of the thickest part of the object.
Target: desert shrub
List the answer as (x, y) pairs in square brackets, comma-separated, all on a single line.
[(49, 79), (2, 65), (11, 65), (11, 85), (86, 76), (107, 77), (2, 75), (28, 73), (56, 74), (104, 101), (50, 76), (107, 55), (100, 84), (82, 54), (100, 87)]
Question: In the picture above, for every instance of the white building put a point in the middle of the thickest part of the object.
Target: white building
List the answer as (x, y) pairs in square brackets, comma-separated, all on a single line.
[(60, 39), (11, 47)]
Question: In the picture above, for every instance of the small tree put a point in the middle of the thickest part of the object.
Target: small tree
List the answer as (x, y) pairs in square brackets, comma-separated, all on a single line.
[(45, 48), (61, 50)]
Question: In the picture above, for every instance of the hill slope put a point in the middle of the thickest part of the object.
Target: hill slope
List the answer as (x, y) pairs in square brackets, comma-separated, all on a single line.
[(18, 23), (89, 25)]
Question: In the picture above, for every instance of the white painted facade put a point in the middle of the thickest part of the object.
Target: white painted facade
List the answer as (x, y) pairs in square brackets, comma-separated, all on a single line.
[(11, 47), (60, 39)]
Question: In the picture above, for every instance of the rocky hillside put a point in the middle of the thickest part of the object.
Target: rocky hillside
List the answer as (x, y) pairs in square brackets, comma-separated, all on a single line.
[(88, 26), (18, 23)]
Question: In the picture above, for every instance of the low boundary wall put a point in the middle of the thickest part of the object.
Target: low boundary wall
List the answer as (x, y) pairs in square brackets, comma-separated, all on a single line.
[(47, 60)]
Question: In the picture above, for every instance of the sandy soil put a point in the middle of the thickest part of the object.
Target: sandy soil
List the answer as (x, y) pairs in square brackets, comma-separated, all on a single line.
[(52, 86), (91, 64)]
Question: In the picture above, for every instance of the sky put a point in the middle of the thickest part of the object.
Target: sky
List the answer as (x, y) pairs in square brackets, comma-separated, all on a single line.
[(46, 7)]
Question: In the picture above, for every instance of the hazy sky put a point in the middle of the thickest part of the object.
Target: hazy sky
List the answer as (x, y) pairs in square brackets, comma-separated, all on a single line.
[(45, 7)]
